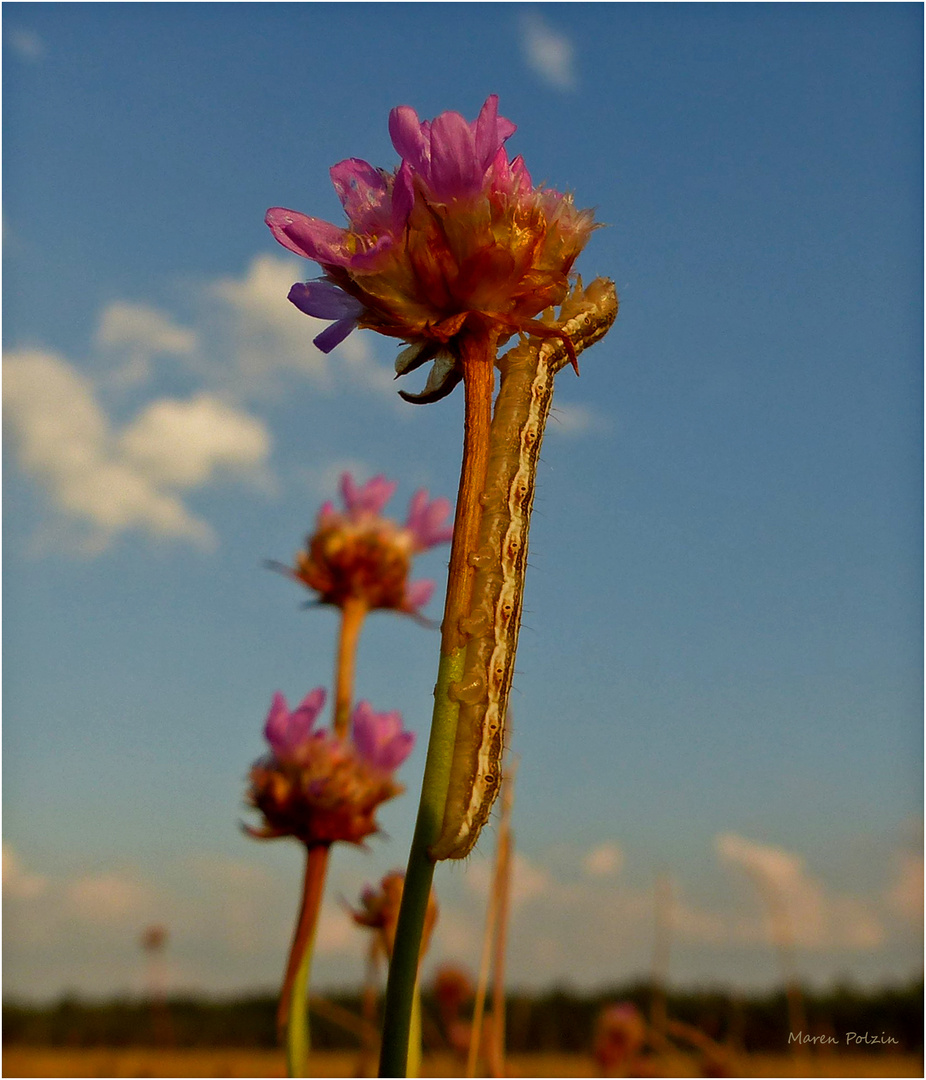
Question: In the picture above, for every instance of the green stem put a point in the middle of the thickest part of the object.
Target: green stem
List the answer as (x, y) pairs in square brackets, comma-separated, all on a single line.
[(414, 1035), (403, 970), (478, 357)]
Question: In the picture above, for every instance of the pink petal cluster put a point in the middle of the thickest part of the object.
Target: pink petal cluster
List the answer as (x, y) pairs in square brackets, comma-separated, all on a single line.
[(379, 738), (355, 553), (288, 732), (320, 788), (456, 238)]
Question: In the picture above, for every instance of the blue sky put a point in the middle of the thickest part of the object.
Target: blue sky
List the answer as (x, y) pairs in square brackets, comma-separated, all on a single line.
[(720, 667)]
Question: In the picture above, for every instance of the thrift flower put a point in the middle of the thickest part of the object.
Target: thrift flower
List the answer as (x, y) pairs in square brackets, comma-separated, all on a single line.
[(355, 554), (317, 787), (379, 910), (456, 240)]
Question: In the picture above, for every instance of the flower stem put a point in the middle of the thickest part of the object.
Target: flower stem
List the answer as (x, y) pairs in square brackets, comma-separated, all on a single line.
[(292, 1012), (478, 356), (353, 612)]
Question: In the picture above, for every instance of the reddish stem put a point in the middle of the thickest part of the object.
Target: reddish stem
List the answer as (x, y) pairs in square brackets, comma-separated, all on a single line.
[(478, 358), (316, 866), (353, 612)]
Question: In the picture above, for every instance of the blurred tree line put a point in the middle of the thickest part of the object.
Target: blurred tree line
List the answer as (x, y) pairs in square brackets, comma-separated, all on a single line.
[(559, 1020)]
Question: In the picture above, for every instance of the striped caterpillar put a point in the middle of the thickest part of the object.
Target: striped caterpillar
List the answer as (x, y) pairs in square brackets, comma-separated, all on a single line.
[(500, 560)]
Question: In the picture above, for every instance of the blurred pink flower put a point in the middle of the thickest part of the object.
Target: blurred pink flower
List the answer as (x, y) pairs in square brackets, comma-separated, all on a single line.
[(379, 737), (317, 787), (357, 555)]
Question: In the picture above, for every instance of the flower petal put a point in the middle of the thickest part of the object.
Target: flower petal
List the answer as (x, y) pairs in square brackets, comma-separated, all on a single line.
[(455, 171), (309, 237), (403, 197), (410, 138), (491, 131), (275, 726), (378, 737), (362, 190), (368, 499), (334, 335), (417, 595), (426, 520), (322, 300)]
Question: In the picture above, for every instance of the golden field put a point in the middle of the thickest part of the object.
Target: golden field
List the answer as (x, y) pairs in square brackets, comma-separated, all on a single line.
[(25, 1061)]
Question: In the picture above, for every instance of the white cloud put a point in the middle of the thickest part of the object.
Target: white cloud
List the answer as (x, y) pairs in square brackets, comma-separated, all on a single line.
[(115, 482), (185, 444), (28, 44), (17, 881), (528, 881), (905, 894), (140, 333), (271, 337), (605, 860), (549, 52), (796, 905), (109, 897), (572, 420)]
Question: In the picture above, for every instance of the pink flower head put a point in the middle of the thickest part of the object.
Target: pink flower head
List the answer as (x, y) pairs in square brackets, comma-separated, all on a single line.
[(379, 738), (354, 554), (288, 732), (455, 240), (321, 788)]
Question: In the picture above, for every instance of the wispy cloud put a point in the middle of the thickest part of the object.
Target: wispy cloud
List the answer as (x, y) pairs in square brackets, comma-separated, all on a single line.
[(17, 881), (245, 341), (575, 420), (267, 340), (136, 334), (26, 43), (815, 917), (603, 861), (548, 52), (115, 481)]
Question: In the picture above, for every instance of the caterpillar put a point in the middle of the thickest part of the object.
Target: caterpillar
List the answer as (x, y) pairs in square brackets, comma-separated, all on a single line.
[(500, 559)]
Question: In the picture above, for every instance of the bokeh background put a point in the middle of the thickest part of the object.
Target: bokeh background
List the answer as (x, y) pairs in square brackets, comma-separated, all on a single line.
[(720, 667)]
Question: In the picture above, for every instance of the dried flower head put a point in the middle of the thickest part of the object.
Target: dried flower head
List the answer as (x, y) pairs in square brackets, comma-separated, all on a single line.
[(319, 788), (356, 555), (379, 910), (456, 239)]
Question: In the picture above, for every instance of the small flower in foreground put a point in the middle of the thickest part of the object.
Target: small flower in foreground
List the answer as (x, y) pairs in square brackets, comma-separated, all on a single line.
[(379, 910), (456, 239), (356, 555), (620, 1032), (319, 788)]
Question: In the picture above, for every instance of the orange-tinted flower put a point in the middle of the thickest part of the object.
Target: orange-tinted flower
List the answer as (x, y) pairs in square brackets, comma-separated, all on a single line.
[(319, 788), (379, 910), (355, 554), (456, 239)]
